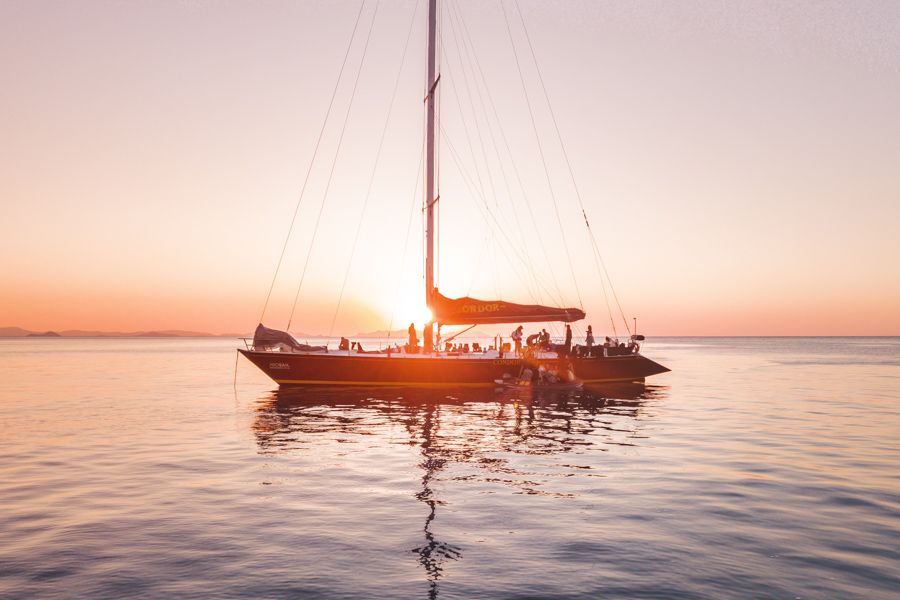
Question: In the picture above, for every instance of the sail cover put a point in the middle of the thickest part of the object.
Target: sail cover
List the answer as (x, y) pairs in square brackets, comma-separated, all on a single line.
[(264, 337), (469, 311)]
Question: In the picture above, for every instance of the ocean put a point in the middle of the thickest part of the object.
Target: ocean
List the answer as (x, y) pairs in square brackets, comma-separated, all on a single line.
[(163, 468)]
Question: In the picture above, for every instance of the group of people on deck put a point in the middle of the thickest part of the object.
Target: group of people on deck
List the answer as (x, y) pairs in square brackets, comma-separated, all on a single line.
[(542, 340)]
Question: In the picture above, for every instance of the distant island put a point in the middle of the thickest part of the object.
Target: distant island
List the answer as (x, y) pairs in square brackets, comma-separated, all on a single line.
[(16, 332), (398, 333)]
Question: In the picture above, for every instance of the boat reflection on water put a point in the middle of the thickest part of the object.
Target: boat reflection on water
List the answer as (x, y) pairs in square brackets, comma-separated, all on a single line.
[(485, 430)]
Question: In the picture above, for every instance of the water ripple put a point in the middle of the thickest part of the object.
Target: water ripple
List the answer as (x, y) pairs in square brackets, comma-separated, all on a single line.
[(759, 468)]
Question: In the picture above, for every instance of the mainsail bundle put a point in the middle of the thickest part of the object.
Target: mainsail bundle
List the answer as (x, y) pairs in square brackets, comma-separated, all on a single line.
[(471, 311)]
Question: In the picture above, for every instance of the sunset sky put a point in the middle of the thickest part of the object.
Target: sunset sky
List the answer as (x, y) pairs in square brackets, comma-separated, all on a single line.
[(739, 162)]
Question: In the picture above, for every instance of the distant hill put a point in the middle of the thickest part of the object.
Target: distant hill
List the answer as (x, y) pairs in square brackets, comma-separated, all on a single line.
[(14, 332), (19, 332), (382, 333), (6, 332)]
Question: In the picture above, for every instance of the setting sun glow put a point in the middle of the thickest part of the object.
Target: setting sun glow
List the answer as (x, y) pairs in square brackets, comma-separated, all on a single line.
[(740, 172), (410, 309)]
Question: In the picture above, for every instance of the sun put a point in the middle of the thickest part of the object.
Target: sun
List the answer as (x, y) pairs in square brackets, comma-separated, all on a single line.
[(410, 309)]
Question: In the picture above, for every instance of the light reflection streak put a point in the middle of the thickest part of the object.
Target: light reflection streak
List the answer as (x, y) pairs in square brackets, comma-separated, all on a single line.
[(482, 428)]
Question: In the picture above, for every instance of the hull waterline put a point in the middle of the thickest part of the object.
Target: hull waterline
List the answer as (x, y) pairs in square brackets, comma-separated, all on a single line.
[(418, 370)]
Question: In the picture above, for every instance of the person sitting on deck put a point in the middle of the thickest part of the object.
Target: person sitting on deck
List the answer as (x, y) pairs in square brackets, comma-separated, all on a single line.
[(534, 338), (344, 345), (545, 339)]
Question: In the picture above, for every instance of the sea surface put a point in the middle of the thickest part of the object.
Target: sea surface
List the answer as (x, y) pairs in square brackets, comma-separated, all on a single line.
[(163, 468)]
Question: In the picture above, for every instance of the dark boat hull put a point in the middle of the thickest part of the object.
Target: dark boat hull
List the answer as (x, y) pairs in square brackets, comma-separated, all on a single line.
[(332, 369), (629, 367), (398, 370)]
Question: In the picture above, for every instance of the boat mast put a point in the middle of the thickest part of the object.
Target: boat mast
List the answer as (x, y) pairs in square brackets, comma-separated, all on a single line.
[(430, 199)]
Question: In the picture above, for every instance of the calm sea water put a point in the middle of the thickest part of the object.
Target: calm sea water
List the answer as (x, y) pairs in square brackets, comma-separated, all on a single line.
[(757, 468)]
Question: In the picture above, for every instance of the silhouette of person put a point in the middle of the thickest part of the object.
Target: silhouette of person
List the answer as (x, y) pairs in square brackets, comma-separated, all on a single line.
[(413, 339), (517, 338)]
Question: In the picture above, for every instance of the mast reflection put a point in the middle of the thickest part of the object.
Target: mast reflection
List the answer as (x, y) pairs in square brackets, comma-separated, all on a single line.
[(433, 553), (476, 427)]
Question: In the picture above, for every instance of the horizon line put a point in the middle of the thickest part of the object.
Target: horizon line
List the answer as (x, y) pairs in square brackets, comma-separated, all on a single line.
[(182, 333)]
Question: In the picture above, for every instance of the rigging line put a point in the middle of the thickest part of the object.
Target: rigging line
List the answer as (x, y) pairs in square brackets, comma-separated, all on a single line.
[(433, 88), (537, 232), (438, 113), (603, 283), (234, 383), (484, 250), (312, 160), (472, 57), (486, 212), (412, 211), (518, 175), (478, 191), (469, 46), (437, 243), (465, 79), (569, 165), (465, 126), (337, 153), (455, 155), (493, 259), (474, 193), (374, 169), (541, 151)]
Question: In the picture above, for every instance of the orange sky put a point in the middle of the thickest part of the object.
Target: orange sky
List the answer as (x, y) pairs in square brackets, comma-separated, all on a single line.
[(739, 163)]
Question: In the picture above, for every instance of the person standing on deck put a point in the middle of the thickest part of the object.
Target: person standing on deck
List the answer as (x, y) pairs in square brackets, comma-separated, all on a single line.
[(589, 338), (568, 339), (413, 339), (516, 336)]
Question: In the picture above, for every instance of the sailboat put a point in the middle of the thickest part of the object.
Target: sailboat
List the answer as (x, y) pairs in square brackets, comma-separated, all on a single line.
[(288, 362)]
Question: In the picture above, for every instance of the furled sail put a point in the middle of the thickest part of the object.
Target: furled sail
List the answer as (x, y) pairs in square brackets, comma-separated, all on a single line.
[(264, 337), (469, 311)]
